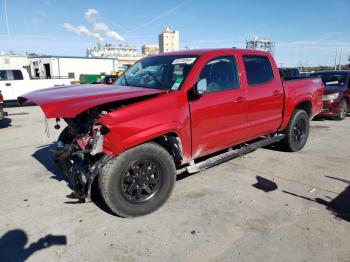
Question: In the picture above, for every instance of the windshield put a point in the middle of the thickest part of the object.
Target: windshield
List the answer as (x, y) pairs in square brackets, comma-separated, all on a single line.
[(332, 78), (161, 72)]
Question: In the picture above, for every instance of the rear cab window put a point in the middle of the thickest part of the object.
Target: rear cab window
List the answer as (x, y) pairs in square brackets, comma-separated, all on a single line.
[(258, 69)]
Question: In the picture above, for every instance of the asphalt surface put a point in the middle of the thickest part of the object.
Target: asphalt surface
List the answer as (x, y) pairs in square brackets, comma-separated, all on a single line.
[(265, 206)]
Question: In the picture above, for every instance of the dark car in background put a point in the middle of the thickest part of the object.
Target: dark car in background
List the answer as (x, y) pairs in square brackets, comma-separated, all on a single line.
[(289, 72), (336, 97)]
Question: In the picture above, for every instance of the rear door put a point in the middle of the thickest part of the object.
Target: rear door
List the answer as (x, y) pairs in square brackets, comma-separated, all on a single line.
[(6, 85), (218, 116), (265, 96)]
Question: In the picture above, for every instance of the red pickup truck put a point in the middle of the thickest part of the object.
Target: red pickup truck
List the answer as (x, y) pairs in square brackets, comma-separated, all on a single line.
[(188, 109)]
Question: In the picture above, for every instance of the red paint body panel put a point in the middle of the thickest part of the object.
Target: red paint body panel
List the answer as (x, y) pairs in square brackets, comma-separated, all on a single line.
[(298, 91), (140, 122), (264, 104), (69, 101), (204, 124)]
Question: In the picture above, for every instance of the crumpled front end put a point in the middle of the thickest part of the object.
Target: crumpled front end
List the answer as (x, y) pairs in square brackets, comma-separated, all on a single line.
[(79, 153)]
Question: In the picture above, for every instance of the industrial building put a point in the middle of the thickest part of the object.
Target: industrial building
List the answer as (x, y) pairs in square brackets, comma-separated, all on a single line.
[(261, 44), (13, 61), (125, 54), (169, 40), (150, 50)]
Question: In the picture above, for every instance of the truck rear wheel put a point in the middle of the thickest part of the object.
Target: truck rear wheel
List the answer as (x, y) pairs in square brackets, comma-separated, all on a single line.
[(139, 181), (297, 131)]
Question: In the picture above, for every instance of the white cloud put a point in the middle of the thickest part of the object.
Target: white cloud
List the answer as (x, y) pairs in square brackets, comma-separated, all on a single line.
[(114, 35), (81, 30), (100, 27), (90, 15)]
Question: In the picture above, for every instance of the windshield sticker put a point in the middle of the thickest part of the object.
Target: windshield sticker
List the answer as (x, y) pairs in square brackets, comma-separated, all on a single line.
[(187, 61), (177, 83)]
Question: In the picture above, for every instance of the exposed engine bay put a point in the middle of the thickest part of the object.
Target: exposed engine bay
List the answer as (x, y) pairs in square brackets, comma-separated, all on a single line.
[(79, 151)]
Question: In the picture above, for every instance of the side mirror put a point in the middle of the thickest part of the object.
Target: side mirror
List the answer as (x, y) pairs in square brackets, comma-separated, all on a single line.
[(201, 87)]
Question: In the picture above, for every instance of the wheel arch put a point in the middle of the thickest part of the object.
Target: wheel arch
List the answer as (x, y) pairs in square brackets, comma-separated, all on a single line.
[(303, 103), (172, 143)]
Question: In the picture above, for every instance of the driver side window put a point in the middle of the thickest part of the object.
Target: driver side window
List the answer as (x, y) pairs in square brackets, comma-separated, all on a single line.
[(221, 74)]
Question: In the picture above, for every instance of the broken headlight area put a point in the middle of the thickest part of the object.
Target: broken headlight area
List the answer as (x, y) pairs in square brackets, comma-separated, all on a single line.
[(79, 154)]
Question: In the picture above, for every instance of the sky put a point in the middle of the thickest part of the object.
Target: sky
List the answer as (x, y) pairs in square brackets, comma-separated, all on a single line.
[(304, 32)]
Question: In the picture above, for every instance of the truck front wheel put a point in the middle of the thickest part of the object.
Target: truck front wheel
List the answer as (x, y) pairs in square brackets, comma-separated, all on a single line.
[(297, 131), (139, 181)]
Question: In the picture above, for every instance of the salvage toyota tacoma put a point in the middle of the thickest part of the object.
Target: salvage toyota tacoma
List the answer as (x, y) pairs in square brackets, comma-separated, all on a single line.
[(188, 109)]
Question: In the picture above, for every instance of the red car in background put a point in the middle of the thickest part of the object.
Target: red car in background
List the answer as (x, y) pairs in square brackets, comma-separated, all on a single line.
[(336, 97), (2, 113)]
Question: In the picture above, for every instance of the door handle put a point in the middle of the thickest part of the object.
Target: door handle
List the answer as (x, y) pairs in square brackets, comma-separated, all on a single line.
[(7, 84), (276, 93), (239, 100)]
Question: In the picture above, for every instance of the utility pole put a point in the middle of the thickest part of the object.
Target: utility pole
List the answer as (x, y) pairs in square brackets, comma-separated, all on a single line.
[(335, 59), (339, 59)]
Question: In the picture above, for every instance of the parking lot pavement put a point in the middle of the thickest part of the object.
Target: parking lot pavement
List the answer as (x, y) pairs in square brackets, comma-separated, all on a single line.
[(265, 206)]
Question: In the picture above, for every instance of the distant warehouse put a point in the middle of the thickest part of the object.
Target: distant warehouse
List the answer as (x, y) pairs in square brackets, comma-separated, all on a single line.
[(70, 66)]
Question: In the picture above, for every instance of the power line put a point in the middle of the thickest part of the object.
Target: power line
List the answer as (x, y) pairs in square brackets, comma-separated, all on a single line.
[(7, 24)]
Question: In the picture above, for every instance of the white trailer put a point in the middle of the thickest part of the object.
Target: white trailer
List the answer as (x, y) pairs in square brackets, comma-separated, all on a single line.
[(70, 66)]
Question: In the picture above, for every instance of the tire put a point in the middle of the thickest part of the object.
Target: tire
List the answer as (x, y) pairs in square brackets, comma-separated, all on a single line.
[(123, 180), (297, 131), (342, 110)]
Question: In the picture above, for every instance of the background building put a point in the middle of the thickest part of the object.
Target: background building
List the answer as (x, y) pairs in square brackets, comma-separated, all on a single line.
[(126, 54), (13, 61), (150, 49), (261, 44), (169, 40)]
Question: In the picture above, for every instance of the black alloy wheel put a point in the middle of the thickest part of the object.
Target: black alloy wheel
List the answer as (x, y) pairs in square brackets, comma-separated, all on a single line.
[(299, 131), (142, 180), (138, 181)]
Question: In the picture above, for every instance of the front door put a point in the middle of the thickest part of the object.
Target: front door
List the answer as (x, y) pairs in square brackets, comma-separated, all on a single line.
[(218, 116)]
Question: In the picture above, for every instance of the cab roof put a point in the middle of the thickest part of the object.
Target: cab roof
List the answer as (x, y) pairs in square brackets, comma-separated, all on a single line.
[(200, 52)]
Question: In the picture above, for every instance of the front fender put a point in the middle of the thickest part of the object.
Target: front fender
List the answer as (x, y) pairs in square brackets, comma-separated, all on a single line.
[(141, 122)]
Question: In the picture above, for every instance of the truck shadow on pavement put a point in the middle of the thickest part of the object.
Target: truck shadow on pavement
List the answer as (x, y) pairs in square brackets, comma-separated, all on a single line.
[(6, 122), (338, 206), (13, 245), (44, 155)]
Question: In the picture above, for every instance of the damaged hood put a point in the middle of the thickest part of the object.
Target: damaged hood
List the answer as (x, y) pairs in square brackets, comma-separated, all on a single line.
[(69, 101)]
